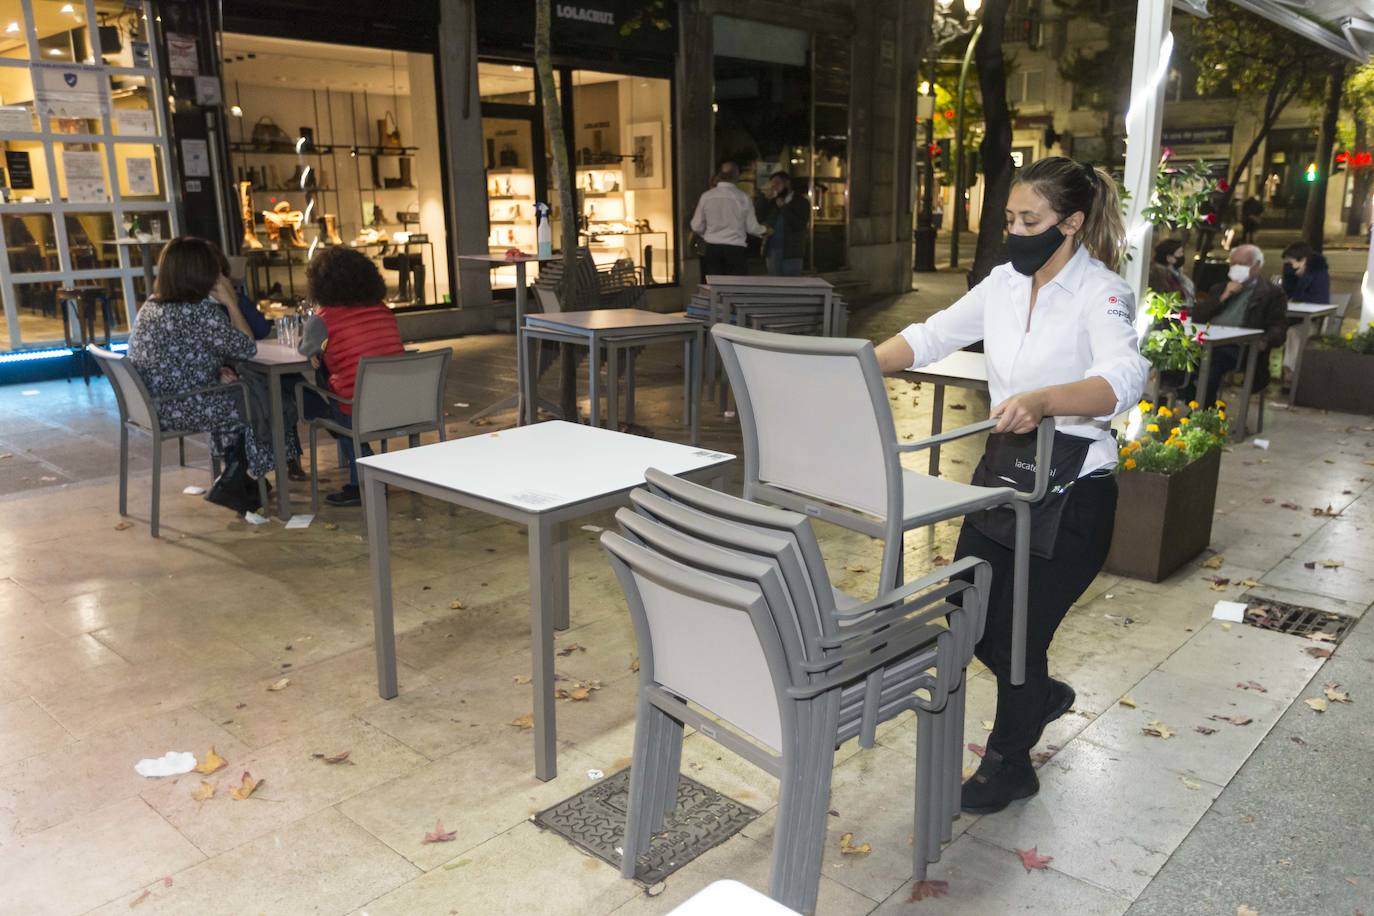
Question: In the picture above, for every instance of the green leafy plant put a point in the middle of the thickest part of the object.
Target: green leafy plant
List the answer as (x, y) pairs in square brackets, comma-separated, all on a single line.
[(1170, 439), (1180, 193), (1361, 341), (1170, 345)]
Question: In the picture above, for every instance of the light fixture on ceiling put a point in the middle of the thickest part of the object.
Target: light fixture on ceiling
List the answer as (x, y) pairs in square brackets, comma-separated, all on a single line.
[(55, 52), (517, 68), (67, 8), (236, 111), (12, 27)]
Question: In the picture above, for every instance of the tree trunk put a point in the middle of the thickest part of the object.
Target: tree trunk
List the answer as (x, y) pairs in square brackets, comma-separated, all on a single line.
[(1354, 223), (995, 149), (1281, 92), (1314, 219), (553, 120)]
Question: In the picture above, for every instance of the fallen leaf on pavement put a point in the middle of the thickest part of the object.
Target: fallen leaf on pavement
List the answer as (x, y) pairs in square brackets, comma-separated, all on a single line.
[(987, 725), (1189, 783), (123, 526), (1331, 564), (1252, 685), (1317, 703), (579, 693), (246, 787), (921, 890), (455, 605), (1321, 636), (1213, 562), (205, 791), (330, 526), (1335, 694), (940, 561), (1298, 741), (1031, 858), (521, 680), (958, 407), (1127, 701), (1288, 505), (340, 757), (140, 898), (856, 567), (1158, 729), (525, 721), (1318, 652), (1204, 730), (634, 666), (969, 771), (279, 685), (977, 749), (439, 834), (1218, 583), (1328, 512), (848, 848), (570, 648), (212, 763), (1268, 500), (1244, 910), (1248, 583)]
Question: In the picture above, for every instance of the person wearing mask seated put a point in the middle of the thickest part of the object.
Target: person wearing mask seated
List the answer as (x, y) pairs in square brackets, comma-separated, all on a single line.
[(1245, 300), (1165, 276), (1306, 277), (350, 322), (181, 342)]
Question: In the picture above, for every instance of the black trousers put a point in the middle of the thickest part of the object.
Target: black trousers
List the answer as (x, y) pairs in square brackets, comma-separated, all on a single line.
[(1085, 535), (1225, 360), (725, 260)]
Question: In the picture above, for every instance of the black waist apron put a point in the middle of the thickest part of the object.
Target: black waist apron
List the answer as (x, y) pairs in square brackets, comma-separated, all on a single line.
[(1009, 460)]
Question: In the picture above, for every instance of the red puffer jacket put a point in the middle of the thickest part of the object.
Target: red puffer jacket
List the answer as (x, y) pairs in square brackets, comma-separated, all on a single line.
[(354, 332)]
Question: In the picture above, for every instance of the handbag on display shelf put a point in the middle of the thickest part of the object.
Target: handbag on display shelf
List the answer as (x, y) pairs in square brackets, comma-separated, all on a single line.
[(388, 139), (267, 133)]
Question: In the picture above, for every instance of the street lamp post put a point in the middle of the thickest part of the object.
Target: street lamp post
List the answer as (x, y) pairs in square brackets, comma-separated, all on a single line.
[(925, 219), (959, 214)]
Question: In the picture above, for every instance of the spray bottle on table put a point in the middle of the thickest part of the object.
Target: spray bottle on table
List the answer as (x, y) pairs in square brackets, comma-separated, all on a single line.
[(545, 231)]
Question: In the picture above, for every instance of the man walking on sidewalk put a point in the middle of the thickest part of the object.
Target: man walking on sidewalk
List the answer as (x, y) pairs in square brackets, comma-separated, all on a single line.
[(725, 219)]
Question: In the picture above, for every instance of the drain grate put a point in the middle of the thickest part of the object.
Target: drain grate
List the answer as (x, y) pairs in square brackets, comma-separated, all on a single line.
[(1298, 621), (594, 821)]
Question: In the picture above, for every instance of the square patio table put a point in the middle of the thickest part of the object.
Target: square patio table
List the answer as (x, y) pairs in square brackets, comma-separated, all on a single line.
[(1219, 335), (542, 476), (275, 360), (1308, 314), (614, 330), (961, 369)]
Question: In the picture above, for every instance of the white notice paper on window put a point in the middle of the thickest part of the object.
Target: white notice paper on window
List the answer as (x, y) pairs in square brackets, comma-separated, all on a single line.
[(140, 172), (195, 158), (135, 122), (70, 90), (15, 119), (85, 177)]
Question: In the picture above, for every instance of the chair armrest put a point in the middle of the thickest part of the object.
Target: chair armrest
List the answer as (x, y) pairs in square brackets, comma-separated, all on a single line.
[(222, 388), (858, 667), (1044, 451), (322, 392), (948, 436), (903, 592)]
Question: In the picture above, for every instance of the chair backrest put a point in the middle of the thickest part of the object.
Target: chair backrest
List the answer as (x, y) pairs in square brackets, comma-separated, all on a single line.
[(815, 420), (135, 402), (547, 298), (396, 392), (702, 638), (1342, 303)]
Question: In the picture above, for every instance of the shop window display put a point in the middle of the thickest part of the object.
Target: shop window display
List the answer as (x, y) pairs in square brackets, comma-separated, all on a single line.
[(336, 145)]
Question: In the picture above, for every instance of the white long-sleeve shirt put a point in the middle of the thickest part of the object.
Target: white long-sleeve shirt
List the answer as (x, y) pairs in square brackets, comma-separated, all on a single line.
[(725, 216), (1083, 326)]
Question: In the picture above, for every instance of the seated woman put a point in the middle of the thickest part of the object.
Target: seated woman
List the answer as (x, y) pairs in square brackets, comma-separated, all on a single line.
[(1306, 277), (350, 322), (181, 341), (1165, 276)]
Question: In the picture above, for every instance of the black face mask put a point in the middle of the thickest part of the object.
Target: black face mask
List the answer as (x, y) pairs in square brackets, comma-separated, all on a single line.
[(1290, 272), (1029, 253)]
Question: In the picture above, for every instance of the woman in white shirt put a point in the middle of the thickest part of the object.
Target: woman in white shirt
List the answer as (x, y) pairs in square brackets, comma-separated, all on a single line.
[(1057, 325)]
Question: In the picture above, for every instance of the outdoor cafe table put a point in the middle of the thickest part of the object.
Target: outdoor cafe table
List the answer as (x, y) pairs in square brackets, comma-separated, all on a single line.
[(614, 330), (275, 360), (493, 261), (1307, 314), (542, 476), (1218, 335), (961, 369)]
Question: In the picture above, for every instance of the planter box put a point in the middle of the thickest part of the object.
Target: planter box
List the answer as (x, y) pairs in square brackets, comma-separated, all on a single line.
[(1336, 380), (1163, 520)]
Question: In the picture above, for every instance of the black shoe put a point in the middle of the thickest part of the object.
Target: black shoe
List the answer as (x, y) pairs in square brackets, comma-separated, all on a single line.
[(348, 496), (998, 782), (1059, 701), (295, 472)]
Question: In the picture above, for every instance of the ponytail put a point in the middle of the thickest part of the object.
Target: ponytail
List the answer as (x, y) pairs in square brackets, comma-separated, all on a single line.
[(1077, 187)]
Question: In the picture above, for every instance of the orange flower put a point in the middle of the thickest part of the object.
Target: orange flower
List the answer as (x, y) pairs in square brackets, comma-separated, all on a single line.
[(1130, 464)]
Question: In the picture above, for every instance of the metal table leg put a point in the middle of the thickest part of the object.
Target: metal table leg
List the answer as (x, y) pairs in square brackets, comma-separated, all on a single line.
[(561, 545), (1204, 372), (279, 444), (542, 611), (692, 384), (630, 386), (937, 422), (1251, 361), (379, 557), (1303, 336), (612, 387), (594, 379)]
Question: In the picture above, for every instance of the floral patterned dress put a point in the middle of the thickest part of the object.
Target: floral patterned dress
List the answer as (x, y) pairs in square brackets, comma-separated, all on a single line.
[(180, 346)]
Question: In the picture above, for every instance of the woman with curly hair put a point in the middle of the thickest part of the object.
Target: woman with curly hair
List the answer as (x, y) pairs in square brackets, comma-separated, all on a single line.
[(351, 321)]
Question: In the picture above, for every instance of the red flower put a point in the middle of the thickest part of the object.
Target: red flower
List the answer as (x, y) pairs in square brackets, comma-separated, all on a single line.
[(1223, 185), (1201, 336), (1167, 152), (1211, 219), (1182, 315)]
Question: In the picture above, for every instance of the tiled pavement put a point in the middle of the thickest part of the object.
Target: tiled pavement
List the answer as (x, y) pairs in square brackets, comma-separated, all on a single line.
[(115, 647)]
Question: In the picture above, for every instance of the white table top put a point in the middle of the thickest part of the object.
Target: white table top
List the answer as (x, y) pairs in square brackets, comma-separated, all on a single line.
[(500, 260), (730, 897), (612, 320), (1309, 310), (133, 241), (544, 466), (1218, 334), (959, 366), (271, 353), (756, 280)]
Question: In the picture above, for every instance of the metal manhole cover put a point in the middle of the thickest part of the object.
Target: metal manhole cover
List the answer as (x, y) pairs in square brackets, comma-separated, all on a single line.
[(1308, 622), (594, 821)]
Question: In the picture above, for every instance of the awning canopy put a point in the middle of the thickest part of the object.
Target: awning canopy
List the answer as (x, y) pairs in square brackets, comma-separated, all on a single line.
[(1345, 27)]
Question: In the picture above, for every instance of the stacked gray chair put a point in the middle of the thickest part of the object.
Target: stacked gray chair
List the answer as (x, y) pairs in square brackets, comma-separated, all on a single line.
[(819, 439), (393, 397), (731, 631), (138, 409)]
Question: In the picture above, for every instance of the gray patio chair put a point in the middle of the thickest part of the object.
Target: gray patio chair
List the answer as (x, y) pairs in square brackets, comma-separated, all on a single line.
[(819, 439), (726, 643), (138, 409), (727, 521), (393, 396)]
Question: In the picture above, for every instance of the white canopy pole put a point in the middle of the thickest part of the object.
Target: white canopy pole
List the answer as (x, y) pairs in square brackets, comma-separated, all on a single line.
[(1144, 123)]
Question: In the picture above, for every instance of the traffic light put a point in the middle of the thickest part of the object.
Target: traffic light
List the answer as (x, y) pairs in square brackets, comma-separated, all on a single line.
[(1311, 174)]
